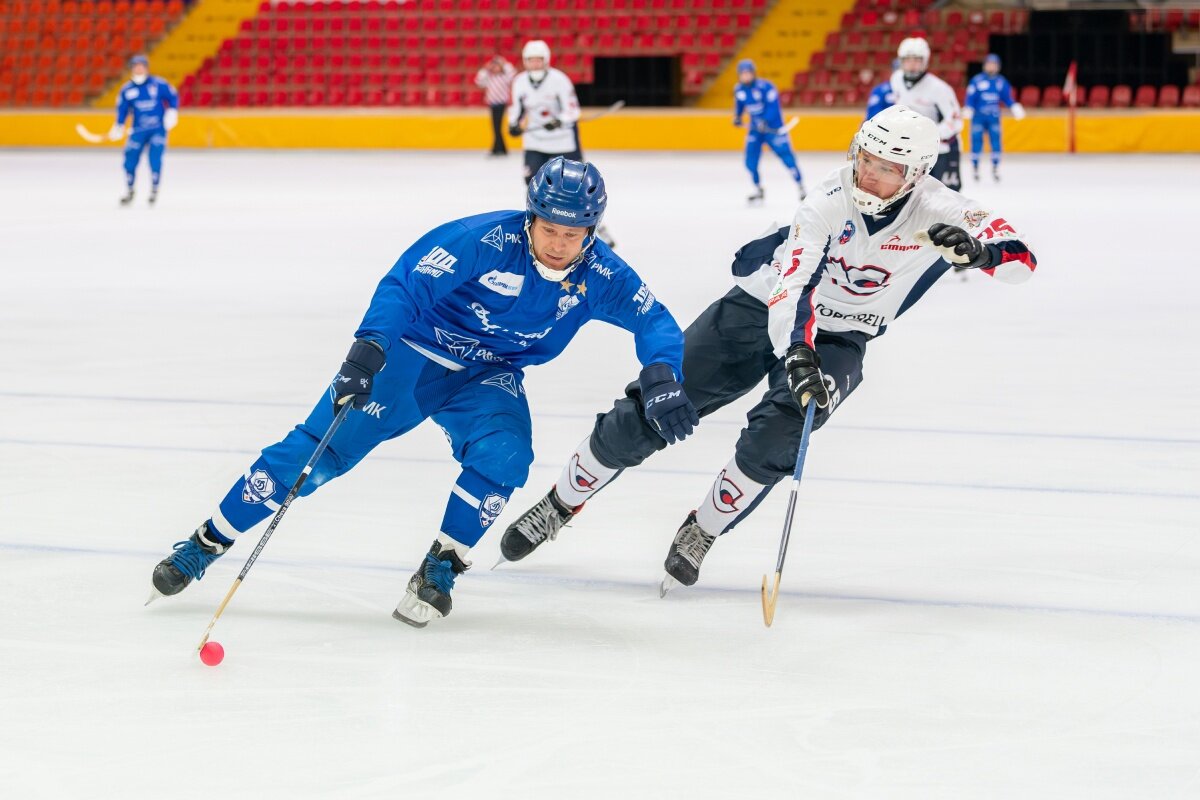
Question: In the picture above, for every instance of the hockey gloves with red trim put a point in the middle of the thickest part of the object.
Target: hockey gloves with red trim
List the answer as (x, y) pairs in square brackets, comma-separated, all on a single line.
[(357, 375), (804, 377), (957, 246), (666, 405)]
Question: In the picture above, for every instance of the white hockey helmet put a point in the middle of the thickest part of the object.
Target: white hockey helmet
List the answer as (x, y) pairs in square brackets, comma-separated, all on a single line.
[(536, 48), (914, 47), (902, 136)]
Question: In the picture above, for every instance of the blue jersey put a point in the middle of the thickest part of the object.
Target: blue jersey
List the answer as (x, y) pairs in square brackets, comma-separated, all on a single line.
[(986, 93), (467, 294), (882, 96), (761, 101), (147, 103)]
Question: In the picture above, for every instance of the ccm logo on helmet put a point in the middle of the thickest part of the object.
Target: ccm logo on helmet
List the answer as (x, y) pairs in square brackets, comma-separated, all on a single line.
[(562, 213), (661, 397)]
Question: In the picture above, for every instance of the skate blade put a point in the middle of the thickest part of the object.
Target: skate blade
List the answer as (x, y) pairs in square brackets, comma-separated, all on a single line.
[(154, 595), (668, 583), (414, 612), (501, 560)]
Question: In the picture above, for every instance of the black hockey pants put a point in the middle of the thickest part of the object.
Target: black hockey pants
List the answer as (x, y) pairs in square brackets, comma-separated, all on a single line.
[(727, 353)]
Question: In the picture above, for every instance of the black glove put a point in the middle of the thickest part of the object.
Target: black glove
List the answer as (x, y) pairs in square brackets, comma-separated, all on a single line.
[(552, 125), (665, 403), (957, 246), (357, 375), (804, 376), (515, 129), (737, 123)]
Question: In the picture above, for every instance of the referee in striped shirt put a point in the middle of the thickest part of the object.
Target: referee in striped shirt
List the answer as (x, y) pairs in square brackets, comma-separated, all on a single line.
[(496, 79)]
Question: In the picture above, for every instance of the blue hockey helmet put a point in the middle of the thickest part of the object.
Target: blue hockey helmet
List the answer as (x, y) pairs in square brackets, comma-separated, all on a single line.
[(140, 58), (746, 65), (567, 192), (992, 58)]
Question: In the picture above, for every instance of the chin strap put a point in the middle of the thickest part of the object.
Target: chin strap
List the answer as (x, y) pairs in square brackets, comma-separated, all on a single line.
[(557, 274)]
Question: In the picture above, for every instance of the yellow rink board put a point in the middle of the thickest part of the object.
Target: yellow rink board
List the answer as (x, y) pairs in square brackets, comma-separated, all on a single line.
[(630, 129)]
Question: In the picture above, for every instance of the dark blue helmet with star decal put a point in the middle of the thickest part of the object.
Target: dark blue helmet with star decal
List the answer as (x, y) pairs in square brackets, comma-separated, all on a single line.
[(568, 193)]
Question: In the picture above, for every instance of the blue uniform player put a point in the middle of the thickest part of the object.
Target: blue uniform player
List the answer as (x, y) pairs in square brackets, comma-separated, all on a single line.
[(153, 105), (987, 93), (759, 99), (883, 95), (447, 336)]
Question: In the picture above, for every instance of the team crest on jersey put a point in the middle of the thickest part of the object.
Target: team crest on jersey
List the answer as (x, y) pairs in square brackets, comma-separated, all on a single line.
[(259, 487), (460, 346), (581, 479), (565, 304), (490, 508), (847, 233), (436, 263), (726, 494), (858, 281), (974, 219), (495, 238), (506, 381)]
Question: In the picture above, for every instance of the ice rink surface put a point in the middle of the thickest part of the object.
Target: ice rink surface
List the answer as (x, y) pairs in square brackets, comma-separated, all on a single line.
[(992, 587)]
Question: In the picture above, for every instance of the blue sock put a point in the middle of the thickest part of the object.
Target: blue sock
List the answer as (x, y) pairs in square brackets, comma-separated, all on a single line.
[(250, 500), (475, 503)]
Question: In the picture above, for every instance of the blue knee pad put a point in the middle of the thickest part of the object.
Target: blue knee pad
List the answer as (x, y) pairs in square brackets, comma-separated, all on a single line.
[(502, 457)]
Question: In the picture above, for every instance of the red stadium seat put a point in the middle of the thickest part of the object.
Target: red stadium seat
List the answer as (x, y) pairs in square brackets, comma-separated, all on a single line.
[(1190, 97), (1122, 96), (1168, 96), (1052, 97), (1145, 97), (1098, 97), (1029, 96)]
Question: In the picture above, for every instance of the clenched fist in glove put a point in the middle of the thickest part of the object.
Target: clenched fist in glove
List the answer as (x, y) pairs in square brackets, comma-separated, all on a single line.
[(515, 129), (804, 376), (956, 246), (553, 125), (357, 375), (665, 403)]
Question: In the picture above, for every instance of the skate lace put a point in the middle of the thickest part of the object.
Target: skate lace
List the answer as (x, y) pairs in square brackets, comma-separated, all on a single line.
[(191, 559), (440, 573), (542, 522), (693, 543)]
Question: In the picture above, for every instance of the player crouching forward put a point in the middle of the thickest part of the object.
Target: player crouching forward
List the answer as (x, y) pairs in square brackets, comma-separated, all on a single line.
[(863, 248), (456, 321)]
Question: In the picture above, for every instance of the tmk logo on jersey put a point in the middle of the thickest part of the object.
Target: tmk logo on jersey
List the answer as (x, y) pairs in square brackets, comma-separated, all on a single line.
[(436, 262), (858, 281), (490, 508), (374, 409), (581, 479), (506, 283), (847, 232), (895, 243), (460, 346), (506, 381), (259, 487), (643, 298), (602, 270), (495, 237), (726, 494)]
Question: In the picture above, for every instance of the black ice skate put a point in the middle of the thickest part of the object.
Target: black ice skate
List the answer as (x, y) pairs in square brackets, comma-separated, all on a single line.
[(803, 193), (757, 197), (428, 593), (128, 198), (535, 526), (153, 194), (189, 561), (975, 170), (686, 555), (996, 173)]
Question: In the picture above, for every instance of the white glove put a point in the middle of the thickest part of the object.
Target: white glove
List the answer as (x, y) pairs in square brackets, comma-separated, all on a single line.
[(1018, 111), (969, 113), (116, 133), (170, 118)]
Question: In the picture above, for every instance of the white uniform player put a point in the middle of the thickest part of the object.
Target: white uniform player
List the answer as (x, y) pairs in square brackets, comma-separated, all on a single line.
[(930, 96), (544, 110), (863, 248)]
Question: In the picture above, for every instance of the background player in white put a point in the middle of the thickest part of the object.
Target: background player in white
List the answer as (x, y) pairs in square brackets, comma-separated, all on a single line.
[(927, 94), (153, 105), (544, 110), (866, 245)]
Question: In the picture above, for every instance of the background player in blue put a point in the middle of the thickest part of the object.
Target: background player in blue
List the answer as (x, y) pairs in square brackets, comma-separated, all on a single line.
[(154, 106), (447, 336), (759, 99), (882, 96), (986, 93)]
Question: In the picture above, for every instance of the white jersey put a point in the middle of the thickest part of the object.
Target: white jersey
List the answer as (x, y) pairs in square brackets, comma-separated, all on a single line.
[(553, 97), (931, 97), (833, 274)]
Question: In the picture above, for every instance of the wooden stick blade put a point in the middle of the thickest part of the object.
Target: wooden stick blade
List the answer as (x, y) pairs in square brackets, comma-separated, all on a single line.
[(769, 599), (87, 135)]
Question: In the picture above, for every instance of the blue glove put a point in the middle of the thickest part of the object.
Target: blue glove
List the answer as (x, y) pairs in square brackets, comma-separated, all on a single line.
[(665, 404), (357, 376)]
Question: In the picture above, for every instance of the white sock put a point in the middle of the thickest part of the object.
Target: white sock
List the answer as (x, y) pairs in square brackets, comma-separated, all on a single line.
[(730, 495), (448, 543), (583, 476)]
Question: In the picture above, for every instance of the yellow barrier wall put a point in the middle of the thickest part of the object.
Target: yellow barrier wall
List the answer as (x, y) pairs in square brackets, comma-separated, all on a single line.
[(631, 129)]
